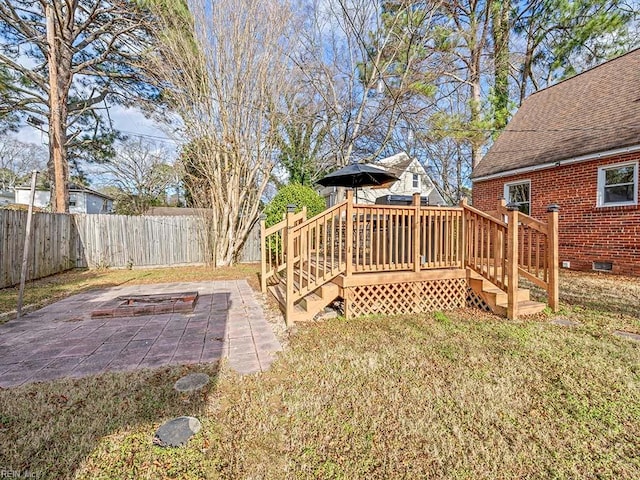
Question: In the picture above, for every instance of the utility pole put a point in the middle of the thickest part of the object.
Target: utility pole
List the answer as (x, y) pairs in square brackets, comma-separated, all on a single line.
[(55, 121)]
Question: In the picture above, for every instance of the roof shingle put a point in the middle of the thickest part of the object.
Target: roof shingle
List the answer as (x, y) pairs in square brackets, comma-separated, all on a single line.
[(595, 111)]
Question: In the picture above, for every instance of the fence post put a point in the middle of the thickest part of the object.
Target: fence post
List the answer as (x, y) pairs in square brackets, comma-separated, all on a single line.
[(263, 254), (463, 234), (512, 261), (27, 243), (289, 256), (348, 235), (416, 233), (553, 292)]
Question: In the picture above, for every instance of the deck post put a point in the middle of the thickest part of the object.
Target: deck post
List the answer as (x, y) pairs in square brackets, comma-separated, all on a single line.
[(348, 235), (416, 233), (502, 208), (553, 292), (512, 261), (263, 254), (463, 234), (290, 255)]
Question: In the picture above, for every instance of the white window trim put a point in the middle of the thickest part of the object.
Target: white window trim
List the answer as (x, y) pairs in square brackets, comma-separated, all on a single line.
[(505, 191), (601, 183)]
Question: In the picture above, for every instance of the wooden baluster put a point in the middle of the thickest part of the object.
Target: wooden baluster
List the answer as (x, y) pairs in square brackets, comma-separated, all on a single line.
[(378, 243), (349, 235), (416, 232), (502, 253), (426, 249), (462, 232)]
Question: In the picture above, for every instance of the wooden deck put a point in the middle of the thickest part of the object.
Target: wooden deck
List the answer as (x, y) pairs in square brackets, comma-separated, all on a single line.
[(398, 260)]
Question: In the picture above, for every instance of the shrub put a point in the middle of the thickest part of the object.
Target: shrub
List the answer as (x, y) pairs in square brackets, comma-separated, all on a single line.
[(300, 196)]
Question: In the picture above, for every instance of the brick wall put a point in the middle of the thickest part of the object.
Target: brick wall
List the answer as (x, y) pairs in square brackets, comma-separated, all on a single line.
[(587, 233)]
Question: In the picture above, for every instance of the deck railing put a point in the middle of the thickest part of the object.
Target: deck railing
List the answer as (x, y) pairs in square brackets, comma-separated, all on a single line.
[(440, 237), (352, 239), (392, 238), (320, 249), (504, 249), (486, 245), (273, 246)]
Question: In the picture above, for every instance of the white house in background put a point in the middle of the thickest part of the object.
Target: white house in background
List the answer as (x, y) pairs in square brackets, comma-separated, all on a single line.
[(81, 199), (7, 197), (412, 178)]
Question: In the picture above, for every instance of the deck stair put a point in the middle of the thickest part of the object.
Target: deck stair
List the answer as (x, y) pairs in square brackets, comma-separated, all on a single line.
[(306, 308), (496, 298)]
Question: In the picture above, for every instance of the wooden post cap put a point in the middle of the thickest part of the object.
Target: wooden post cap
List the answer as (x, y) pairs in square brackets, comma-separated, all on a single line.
[(554, 207)]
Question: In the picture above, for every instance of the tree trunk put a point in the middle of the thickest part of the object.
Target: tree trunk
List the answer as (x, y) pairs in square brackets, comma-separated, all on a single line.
[(477, 136), (59, 60), (500, 31)]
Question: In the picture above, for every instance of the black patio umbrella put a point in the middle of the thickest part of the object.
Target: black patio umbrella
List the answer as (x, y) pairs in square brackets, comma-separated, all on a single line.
[(357, 175)]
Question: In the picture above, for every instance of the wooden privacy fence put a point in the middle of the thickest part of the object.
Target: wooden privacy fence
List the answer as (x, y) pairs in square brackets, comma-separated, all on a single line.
[(52, 245), (145, 241), (61, 242)]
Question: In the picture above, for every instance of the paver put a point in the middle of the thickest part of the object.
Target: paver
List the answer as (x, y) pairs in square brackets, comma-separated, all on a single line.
[(62, 340)]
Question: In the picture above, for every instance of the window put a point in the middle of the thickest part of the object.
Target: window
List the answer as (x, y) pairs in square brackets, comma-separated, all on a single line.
[(618, 185), (520, 194), (72, 200), (416, 180)]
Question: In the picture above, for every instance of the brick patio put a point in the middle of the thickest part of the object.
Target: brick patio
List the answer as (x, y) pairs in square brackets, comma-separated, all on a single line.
[(62, 340)]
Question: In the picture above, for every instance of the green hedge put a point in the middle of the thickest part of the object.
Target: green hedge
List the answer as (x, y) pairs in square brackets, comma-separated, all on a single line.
[(300, 196)]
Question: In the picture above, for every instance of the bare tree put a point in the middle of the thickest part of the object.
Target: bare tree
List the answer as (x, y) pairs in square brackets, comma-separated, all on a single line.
[(17, 160), (141, 172), (227, 80), (364, 63)]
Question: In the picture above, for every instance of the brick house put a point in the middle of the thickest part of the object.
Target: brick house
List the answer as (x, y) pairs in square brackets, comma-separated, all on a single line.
[(576, 144)]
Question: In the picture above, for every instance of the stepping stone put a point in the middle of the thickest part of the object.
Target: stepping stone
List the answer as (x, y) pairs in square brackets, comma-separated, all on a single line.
[(629, 335), (177, 432), (191, 382), (563, 322)]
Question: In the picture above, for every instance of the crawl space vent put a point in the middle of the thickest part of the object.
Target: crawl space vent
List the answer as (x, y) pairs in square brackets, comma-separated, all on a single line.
[(603, 266)]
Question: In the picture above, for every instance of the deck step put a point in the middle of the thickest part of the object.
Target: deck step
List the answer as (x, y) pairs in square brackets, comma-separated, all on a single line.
[(498, 296), (307, 307), (497, 299), (528, 307)]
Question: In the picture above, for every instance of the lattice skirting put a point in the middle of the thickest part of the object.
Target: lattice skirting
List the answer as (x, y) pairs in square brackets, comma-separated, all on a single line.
[(475, 301), (407, 297)]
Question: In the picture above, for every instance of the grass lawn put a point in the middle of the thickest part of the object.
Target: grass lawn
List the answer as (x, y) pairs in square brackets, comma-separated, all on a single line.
[(47, 290), (447, 395)]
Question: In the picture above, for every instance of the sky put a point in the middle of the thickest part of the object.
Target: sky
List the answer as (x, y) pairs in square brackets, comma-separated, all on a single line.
[(128, 120)]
